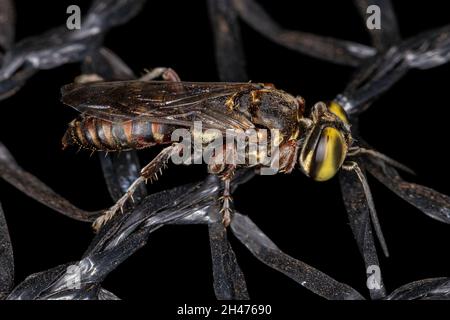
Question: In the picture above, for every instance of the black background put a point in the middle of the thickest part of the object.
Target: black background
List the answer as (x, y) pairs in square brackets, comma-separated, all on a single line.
[(305, 219)]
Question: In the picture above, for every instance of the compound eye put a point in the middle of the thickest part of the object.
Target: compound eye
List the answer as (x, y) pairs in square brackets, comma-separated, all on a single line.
[(329, 154), (337, 109)]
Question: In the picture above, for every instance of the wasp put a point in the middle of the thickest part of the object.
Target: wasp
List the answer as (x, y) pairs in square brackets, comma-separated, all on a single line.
[(125, 115)]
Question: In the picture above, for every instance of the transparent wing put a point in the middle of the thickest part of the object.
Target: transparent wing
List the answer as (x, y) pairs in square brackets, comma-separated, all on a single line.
[(178, 103)]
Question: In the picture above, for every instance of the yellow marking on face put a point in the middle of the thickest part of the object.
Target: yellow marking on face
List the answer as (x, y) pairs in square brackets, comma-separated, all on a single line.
[(337, 109), (329, 155), (255, 96), (230, 104), (295, 134)]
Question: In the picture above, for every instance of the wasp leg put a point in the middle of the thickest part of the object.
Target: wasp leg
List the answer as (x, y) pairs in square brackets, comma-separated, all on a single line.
[(167, 74), (375, 154), (353, 166), (226, 198), (223, 163), (149, 172)]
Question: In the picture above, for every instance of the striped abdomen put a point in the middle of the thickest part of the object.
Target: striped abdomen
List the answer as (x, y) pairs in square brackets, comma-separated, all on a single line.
[(102, 135)]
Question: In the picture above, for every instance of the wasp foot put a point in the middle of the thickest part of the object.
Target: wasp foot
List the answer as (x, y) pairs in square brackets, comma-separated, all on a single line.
[(149, 172), (226, 204), (119, 205)]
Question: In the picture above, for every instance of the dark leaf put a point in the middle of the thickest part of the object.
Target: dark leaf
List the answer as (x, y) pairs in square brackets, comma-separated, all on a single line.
[(380, 73), (36, 189), (328, 49), (229, 281), (228, 44), (6, 258), (267, 252), (427, 289), (360, 223), (60, 45), (7, 26), (434, 204)]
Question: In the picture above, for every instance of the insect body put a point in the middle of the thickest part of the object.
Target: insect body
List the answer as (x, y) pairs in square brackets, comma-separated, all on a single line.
[(103, 135), (128, 115)]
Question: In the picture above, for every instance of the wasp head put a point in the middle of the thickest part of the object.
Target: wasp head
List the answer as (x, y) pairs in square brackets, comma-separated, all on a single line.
[(326, 141)]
